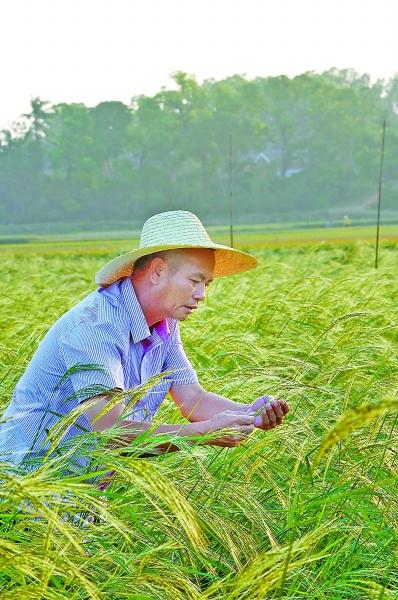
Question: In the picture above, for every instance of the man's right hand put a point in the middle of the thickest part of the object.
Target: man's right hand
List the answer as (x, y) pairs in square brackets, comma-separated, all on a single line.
[(271, 412)]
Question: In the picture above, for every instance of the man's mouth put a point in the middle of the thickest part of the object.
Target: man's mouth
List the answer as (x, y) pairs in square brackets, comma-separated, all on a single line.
[(190, 308)]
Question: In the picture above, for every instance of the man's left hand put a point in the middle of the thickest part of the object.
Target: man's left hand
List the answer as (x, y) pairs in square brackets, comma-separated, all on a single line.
[(271, 412)]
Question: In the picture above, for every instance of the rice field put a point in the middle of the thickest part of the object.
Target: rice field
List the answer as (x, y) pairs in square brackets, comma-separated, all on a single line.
[(258, 236), (306, 511)]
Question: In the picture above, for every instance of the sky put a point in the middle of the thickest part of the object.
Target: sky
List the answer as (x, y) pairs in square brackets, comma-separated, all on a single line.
[(95, 50)]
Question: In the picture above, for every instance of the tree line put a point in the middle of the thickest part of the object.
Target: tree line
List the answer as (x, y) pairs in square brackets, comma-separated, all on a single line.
[(302, 148)]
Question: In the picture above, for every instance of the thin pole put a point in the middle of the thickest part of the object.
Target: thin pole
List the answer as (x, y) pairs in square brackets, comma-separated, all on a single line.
[(383, 137), (231, 226)]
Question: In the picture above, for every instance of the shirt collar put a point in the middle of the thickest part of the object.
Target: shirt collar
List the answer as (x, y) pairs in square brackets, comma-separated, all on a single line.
[(160, 334), (138, 326)]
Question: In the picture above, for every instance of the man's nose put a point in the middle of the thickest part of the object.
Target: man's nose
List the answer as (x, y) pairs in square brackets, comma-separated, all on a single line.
[(200, 292)]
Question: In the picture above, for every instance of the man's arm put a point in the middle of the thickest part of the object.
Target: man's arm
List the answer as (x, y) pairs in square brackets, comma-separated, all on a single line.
[(196, 404), (239, 423)]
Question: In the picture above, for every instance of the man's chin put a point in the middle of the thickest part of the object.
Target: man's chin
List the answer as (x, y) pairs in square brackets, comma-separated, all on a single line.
[(183, 313), (182, 317)]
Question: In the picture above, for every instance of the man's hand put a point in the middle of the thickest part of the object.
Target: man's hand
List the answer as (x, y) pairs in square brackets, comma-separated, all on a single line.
[(234, 427), (269, 412)]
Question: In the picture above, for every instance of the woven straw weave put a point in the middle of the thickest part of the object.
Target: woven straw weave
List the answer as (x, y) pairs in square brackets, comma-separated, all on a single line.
[(171, 230)]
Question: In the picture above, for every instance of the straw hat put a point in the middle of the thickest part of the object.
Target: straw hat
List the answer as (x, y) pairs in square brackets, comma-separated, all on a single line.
[(171, 230)]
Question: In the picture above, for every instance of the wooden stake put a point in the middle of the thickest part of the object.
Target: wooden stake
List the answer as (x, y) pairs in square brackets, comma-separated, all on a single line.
[(383, 137), (231, 226)]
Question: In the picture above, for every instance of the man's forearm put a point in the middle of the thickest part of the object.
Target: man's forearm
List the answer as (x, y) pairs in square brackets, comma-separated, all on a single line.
[(209, 404), (132, 429)]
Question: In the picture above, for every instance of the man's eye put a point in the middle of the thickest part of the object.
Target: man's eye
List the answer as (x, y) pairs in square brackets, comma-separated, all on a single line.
[(195, 281)]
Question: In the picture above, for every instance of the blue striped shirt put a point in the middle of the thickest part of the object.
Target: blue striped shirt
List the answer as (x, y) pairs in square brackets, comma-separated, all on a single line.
[(102, 343)]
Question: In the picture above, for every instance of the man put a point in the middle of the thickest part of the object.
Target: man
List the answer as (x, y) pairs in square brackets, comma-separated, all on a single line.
[(121, 336)]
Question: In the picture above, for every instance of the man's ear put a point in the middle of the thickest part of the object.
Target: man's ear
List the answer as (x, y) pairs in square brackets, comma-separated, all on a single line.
[(157, 270)]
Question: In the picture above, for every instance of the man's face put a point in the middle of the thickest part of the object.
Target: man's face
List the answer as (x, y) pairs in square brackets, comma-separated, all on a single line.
[(186, 282)]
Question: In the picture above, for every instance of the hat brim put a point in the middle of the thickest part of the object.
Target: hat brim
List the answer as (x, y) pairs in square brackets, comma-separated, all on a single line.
[(228, 261)]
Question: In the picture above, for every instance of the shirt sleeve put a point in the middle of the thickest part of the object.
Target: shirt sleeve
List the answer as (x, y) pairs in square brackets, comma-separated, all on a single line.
[(93, 360), (178, 363)]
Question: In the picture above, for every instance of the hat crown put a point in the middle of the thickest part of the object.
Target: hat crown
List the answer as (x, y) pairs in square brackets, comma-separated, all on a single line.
[(173, 227)]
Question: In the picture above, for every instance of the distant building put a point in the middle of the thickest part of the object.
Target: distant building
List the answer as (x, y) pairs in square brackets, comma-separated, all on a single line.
[(273, 154)]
